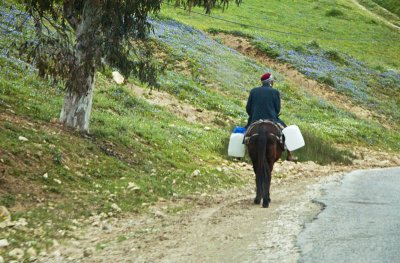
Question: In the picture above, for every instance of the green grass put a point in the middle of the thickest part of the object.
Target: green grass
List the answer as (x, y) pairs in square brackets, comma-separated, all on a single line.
[(321, 151), (307, 21), (390, 5), (8, 200)]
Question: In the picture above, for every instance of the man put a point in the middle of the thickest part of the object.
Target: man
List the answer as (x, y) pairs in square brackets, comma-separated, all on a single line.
[(264, 103)]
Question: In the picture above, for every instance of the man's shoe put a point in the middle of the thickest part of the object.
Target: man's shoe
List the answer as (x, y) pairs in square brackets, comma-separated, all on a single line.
[(292, 159)]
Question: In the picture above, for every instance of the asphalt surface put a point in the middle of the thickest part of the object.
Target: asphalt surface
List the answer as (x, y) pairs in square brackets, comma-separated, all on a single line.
[(360, 221)]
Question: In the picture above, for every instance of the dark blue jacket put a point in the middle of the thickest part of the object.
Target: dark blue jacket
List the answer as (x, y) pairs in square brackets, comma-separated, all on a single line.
[(264, 103)]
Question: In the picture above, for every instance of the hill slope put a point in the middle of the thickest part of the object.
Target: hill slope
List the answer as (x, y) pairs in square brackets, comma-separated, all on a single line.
[(149, 146)]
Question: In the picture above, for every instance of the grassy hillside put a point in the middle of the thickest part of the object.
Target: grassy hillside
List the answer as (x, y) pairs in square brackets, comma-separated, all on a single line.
[(338, 25), (234, 75), (391, 5), (140, 151)]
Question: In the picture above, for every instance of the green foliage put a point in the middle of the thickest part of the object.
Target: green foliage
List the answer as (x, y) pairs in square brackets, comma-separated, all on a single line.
[(104, 32), (207, 5), (99, 30)]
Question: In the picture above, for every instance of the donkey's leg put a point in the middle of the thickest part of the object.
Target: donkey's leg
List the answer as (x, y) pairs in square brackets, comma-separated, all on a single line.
[(266, 199), (265, 190), (257, 199), (269, 181), (269, 185), (253, 156)]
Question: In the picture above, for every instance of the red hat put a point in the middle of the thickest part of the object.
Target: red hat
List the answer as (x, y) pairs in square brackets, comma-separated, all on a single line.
[(266, 76)]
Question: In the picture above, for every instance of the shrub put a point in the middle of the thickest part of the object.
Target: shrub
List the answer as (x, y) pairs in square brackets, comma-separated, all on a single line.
[(313, 44), (215, 31), (379, 68), (300, 49), (327, 80), (266, 49), (334, 12), (333, 55)]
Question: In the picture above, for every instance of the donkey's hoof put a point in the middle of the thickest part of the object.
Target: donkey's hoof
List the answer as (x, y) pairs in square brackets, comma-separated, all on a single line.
[(266, 202), (257, 201)]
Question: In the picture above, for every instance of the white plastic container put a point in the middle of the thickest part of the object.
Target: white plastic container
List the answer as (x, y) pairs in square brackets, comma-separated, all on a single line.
[(293, 138), (236, 147)]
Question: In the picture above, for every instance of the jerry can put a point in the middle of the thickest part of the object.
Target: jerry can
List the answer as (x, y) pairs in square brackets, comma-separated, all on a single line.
[(236, 147), (293, 137)]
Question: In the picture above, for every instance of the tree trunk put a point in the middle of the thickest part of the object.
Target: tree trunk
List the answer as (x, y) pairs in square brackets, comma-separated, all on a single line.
[(77, 106)]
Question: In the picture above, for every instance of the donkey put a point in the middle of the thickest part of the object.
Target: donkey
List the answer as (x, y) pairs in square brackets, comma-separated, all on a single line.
[(265, 144)]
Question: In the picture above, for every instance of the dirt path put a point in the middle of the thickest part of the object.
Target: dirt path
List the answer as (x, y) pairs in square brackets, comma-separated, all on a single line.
[(226, 227), (223, 227), (237, 231)]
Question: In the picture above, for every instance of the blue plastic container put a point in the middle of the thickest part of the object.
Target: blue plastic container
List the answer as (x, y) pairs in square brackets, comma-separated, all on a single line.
[(239, 129)]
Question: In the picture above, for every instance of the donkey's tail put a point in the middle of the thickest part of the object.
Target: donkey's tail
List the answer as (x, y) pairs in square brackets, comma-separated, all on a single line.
[(262, 165)]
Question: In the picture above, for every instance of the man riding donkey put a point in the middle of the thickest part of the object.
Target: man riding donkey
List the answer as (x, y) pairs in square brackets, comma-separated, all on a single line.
[(264, 103)]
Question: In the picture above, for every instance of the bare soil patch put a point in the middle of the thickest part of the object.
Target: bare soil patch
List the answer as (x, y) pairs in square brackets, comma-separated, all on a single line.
[(179, 108)]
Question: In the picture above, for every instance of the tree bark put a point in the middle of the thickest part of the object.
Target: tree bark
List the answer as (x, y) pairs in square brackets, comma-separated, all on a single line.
[(77, 107)]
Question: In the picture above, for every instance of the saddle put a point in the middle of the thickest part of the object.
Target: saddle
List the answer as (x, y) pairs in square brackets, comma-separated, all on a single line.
[(279, 136)]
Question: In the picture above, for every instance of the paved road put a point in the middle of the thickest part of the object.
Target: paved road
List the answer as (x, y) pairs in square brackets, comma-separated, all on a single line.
[(360, 222)]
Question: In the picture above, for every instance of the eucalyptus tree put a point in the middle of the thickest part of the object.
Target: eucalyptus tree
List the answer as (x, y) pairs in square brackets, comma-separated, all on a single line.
[(74, 38)]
